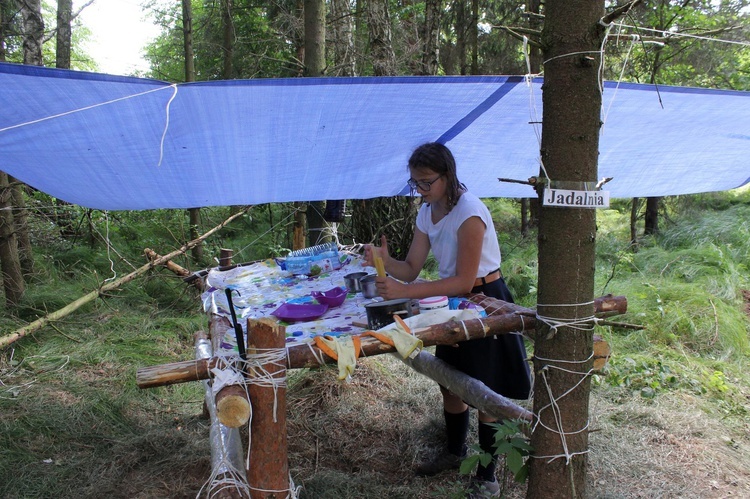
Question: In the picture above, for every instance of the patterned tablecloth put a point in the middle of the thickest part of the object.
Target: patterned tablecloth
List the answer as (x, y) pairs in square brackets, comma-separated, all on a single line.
[(260, 288)]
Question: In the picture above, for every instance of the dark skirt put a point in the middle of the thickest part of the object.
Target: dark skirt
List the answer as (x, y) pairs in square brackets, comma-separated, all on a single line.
[(497, 361)]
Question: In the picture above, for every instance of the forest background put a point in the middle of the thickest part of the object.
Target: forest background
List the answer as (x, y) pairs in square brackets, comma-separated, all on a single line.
[(242, 40)]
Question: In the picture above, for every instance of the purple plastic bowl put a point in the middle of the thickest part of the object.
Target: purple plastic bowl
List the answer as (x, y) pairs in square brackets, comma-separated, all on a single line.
[(333, 297)]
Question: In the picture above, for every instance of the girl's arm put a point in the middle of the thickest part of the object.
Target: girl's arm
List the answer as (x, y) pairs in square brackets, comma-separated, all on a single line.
[(470, 237)]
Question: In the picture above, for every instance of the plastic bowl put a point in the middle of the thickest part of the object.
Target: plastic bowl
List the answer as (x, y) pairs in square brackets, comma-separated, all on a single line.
[(333, 297)]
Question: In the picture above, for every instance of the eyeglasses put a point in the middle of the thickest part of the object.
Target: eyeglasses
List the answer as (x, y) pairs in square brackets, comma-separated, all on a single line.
[(423, 185)]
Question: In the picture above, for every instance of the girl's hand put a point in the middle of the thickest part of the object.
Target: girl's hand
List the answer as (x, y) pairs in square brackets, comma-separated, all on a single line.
[(371, 251), (390, 289)]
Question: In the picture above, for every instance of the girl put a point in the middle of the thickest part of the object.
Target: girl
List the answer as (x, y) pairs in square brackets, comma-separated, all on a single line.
[(457, 227)]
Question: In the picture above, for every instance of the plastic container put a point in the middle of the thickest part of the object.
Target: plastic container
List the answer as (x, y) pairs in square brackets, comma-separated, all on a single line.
[(298, 265), (433, 303), (314, 260)]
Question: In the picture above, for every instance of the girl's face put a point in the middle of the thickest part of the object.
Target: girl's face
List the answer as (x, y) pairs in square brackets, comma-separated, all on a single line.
[(428, 184)]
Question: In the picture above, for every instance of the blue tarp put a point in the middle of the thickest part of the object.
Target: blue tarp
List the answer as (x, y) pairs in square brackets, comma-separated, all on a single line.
[(112, 142)]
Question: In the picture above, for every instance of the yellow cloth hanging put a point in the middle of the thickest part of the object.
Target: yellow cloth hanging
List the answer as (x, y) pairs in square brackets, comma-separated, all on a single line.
[(344, 349), (398, 336)]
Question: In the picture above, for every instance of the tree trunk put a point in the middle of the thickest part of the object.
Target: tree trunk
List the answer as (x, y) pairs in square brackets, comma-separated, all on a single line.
[(343, 43), (269, 466), (229, 37), (187, 40), (430, 34), (315, 65), (473, 36), (33, 32), (381, 45), (5, 18), (194, 214), (563, 355), (62, 53), (633, 222), (315, 37), (300, 226), (460, 27), (651, 225), (10, 266), (21, 225)]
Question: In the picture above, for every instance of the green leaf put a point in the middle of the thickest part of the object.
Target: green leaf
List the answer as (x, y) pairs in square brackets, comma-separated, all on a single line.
[(521, 443), (522, 474), (514, 461), (503, 448), (468, 464)]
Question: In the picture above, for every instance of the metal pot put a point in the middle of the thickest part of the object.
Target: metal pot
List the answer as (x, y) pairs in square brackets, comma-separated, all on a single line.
[(368, 286), (352, 281), (380, 314)]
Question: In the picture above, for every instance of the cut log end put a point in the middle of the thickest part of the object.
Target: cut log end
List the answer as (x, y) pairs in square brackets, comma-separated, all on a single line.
[(232, 406)]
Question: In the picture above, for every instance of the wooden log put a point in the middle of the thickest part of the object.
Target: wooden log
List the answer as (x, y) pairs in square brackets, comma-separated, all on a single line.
[(229, 478), (471, 391), (225, 258), (603, 306), (515, 318), (268, 473), (233, 406), (447, 333), (169, 264), (232, 403), (176, 372)]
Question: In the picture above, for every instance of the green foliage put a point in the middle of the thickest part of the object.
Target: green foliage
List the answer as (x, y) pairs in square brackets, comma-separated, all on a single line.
[(510, 443), (693, 60), (13, 39), (264, 46)]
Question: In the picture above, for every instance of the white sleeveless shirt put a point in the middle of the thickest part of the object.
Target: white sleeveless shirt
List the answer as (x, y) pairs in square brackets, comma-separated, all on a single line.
[(444, 235)]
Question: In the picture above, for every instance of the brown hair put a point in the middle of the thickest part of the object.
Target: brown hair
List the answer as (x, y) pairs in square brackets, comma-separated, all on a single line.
[(438, 158)]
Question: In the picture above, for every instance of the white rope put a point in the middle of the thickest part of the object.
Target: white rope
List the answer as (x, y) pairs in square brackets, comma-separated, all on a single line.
[(258, 375), (166, 125), (316, 356), (109, 246), (672, 34), (85, 108), (466, 331)]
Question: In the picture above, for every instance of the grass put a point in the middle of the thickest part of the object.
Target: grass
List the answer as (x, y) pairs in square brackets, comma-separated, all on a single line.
[(669, 415)]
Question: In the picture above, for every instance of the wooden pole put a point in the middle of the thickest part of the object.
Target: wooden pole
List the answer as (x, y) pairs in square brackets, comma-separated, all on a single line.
[(519, 319), (229, 478), (177, 269), (232, 403), (470, 390), (71, 307), (225, 258), (302, 355), (268, 472)]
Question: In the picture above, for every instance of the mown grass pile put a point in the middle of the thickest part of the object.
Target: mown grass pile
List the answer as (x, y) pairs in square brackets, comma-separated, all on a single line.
[(75, 425)]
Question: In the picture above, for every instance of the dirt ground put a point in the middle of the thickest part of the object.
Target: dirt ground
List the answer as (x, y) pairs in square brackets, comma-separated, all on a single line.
[(670, 446)]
